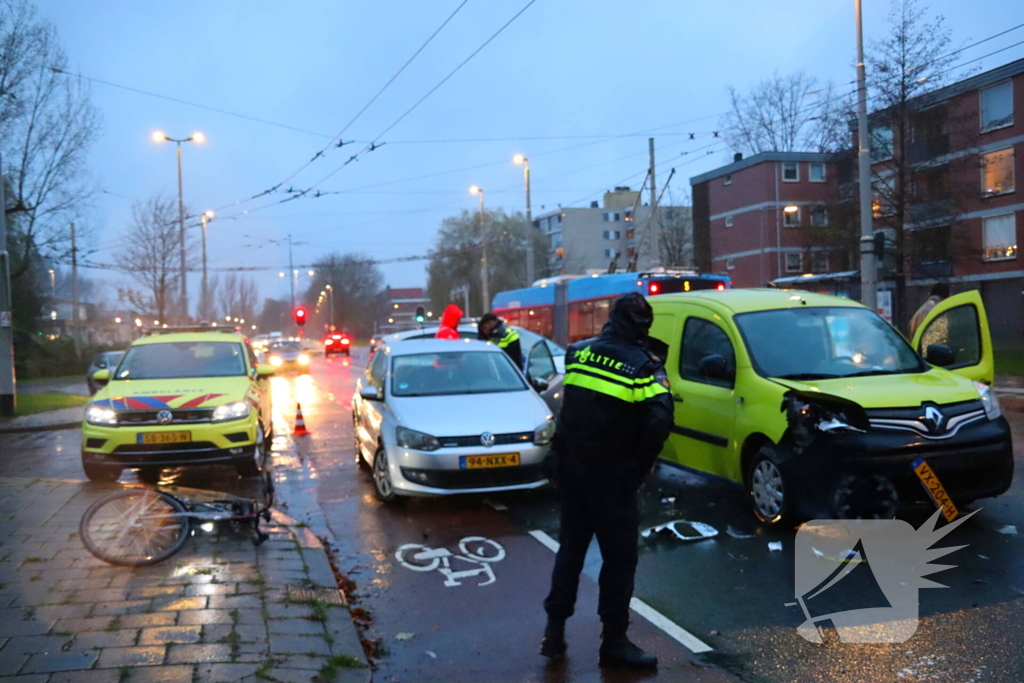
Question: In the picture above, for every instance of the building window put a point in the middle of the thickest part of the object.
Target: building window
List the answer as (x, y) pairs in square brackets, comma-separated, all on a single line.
[(610, 253), (997, 172), (882, 192), (819, 217), (612, 234), (728, 179), (728, 221), (791, 220), (881, 143), (1000, 237), (816, 172), (790, 172), (794, 262), (611, 217), (997, 107), (819, 261), (730, 264)]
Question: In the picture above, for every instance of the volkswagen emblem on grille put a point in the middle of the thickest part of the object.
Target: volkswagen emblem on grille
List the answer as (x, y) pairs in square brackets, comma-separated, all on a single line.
[(487, 439), (164, 417), (933, 418)]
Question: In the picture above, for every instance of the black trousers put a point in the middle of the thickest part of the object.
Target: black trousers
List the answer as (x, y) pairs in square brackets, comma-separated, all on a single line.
[(601, 502)]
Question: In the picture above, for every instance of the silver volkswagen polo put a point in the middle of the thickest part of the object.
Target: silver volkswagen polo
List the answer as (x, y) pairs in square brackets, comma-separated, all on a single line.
[(440, 417)]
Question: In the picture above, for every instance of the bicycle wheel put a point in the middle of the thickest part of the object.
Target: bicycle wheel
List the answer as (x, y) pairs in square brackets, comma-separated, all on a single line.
[(482, 549), (134, 527), (409, 556)]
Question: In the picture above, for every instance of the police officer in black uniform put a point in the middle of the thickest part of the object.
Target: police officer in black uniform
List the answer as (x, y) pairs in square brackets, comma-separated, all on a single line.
[(615, 417), (493, 329)]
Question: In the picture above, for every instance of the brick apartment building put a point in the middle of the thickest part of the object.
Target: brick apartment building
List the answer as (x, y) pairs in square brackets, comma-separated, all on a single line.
[(952, 215)]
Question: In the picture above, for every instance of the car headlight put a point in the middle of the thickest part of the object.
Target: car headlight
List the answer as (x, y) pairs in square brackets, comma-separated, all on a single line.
[(275, 361), (303, 359), (543, 434), (410, 438), (989, 400), (97, 415), (231, 411)]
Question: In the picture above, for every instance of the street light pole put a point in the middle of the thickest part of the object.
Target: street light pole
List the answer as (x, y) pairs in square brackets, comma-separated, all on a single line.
[(197, 137), (530, 268), (7, 383), (485, 289), (330, 302), (868, 285), (204, 297)]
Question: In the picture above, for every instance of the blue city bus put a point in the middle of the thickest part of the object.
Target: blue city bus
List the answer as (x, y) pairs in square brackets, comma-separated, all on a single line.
[(573, 307)]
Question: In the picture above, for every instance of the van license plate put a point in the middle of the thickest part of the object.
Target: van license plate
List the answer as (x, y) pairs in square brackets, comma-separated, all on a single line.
[(475, 462), (165, 437), (935, 489)]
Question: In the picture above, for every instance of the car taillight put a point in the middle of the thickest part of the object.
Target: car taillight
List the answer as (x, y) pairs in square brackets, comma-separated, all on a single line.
[(328, 342), (720, 287), (653, 288)]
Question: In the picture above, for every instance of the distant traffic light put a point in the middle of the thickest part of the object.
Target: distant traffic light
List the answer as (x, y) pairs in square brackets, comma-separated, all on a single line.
[(420, 314), (300, 315), (879, 243)]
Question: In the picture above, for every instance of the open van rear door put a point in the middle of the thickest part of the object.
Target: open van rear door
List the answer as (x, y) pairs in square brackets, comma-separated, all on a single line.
[(960, 323)]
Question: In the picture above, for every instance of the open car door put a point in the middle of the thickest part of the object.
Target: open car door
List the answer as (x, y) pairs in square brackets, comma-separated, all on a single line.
[(960, 323), (541, 365)]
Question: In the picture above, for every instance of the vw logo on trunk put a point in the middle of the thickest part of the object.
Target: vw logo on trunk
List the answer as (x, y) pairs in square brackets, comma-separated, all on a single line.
[(164, 417), (487, 439)]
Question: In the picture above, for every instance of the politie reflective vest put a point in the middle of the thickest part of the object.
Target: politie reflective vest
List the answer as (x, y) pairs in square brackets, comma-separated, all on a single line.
[(507, 339), (617, 405)]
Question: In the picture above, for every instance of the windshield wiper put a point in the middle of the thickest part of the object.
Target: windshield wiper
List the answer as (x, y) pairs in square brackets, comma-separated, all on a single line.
[(808, 375)]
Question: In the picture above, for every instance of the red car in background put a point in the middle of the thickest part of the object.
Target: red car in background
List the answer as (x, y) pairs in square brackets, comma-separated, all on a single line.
[(338, 343)]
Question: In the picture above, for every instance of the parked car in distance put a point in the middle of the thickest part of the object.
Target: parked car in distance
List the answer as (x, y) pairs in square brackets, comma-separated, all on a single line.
[(818, 407), (438, 417), (105, 360), (335, 344)]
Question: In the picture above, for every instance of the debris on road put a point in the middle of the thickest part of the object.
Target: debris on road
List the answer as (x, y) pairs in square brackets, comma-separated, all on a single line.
[(1009, 530), (774, 545), (736, 533), (683, 530), (433, 655), (405, 636)]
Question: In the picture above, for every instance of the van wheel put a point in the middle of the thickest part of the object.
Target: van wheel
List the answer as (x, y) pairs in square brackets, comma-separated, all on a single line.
[(768, 491), (101, 473), (251, 467), (382, 485)]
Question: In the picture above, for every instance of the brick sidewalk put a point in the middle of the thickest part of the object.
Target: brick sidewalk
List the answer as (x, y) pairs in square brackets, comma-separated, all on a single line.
[(219, 610)]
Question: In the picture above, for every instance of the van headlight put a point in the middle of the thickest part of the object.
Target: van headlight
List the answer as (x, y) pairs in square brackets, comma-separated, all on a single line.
[(989, 400), (97, 415), (303, 359), (543, 434), (418, 441), (276, 361), (231, 411)]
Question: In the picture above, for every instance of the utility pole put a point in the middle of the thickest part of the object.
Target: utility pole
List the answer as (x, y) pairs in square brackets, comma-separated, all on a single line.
[(654, 196), (868, 284), (291, 270), (8, 400), (530, 268), (181, 236), (74, 289)]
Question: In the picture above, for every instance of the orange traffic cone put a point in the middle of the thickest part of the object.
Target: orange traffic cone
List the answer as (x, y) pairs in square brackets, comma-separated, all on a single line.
[(300, 424)]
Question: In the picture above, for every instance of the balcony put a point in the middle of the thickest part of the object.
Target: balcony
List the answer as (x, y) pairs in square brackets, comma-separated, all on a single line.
[(933, 211), (935, 269), (928, 149)]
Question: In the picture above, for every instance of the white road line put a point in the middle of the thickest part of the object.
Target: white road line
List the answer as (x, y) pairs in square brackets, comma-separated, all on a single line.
[(672, 629)]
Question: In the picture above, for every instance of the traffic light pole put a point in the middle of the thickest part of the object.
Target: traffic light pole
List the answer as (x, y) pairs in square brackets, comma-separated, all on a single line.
[(8, 399)]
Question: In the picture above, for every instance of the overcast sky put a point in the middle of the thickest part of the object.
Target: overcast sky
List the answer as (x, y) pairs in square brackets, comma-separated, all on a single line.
[(563, 69)]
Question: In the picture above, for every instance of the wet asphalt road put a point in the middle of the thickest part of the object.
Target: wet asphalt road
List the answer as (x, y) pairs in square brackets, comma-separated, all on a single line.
[(729, 592)]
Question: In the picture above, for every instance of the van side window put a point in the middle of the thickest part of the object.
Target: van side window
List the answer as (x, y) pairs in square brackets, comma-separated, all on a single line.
[(702, 338), (959, 329)]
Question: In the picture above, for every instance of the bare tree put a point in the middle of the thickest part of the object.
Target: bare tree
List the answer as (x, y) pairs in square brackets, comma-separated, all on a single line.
[(235, 295), (786, 113), (151, 257), (47, 123), (359, 293)]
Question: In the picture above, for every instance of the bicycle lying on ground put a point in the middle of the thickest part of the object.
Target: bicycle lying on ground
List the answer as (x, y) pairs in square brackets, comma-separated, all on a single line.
[(135, 527)]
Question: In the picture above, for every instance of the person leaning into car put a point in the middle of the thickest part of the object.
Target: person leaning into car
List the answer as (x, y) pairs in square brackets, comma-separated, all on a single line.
[(491, 328), (616, 415)]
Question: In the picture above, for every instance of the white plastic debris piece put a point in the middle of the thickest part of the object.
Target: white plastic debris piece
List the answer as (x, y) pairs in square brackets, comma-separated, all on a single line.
[(433, 655), (984, 557), (774, 545), (683, 530), (1009, 530), (405, 636), (737, 534), (668, 501)]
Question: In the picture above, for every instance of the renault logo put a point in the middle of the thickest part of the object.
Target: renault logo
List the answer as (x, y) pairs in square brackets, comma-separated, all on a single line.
[(487, 439), (164, 417), (934, 418)]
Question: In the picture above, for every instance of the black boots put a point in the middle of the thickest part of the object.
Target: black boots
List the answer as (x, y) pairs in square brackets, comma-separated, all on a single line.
[(616, 650), (553, 644)]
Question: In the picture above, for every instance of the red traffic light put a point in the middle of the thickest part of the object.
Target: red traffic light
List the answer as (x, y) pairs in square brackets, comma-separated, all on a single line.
[(300, 315)]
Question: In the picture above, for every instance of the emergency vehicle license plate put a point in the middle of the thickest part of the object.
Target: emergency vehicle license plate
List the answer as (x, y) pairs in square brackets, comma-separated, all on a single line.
[(165, 437), (935, 489), (474, 462)]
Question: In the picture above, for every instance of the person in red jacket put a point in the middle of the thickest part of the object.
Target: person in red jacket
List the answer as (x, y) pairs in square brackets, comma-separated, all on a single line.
[(450, 323)]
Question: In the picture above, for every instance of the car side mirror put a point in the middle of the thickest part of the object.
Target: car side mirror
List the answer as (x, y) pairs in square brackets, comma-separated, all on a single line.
[(539, 385), (940, 355), (712, 367), (265, 371), (101, 376), (370, 394)]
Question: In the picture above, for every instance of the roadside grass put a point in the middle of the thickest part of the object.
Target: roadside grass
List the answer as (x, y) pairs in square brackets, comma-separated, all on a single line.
[(30, 404), (1009, 361)]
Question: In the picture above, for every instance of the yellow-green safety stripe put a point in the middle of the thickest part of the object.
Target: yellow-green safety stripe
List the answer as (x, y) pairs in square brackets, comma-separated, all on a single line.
[(510, 336), (612, 375), (602, 386)]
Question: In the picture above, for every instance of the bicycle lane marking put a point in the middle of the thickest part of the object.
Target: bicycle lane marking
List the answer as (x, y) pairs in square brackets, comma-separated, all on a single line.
[(477, 551), (656, 618)]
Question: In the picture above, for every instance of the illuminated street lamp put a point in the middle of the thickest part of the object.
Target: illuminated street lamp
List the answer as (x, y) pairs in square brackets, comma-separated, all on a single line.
[(520, 159), (483, 260), (198, 138)]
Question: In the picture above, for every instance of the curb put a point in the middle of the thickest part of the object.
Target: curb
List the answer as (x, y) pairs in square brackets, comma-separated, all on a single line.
[(40, 428)]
